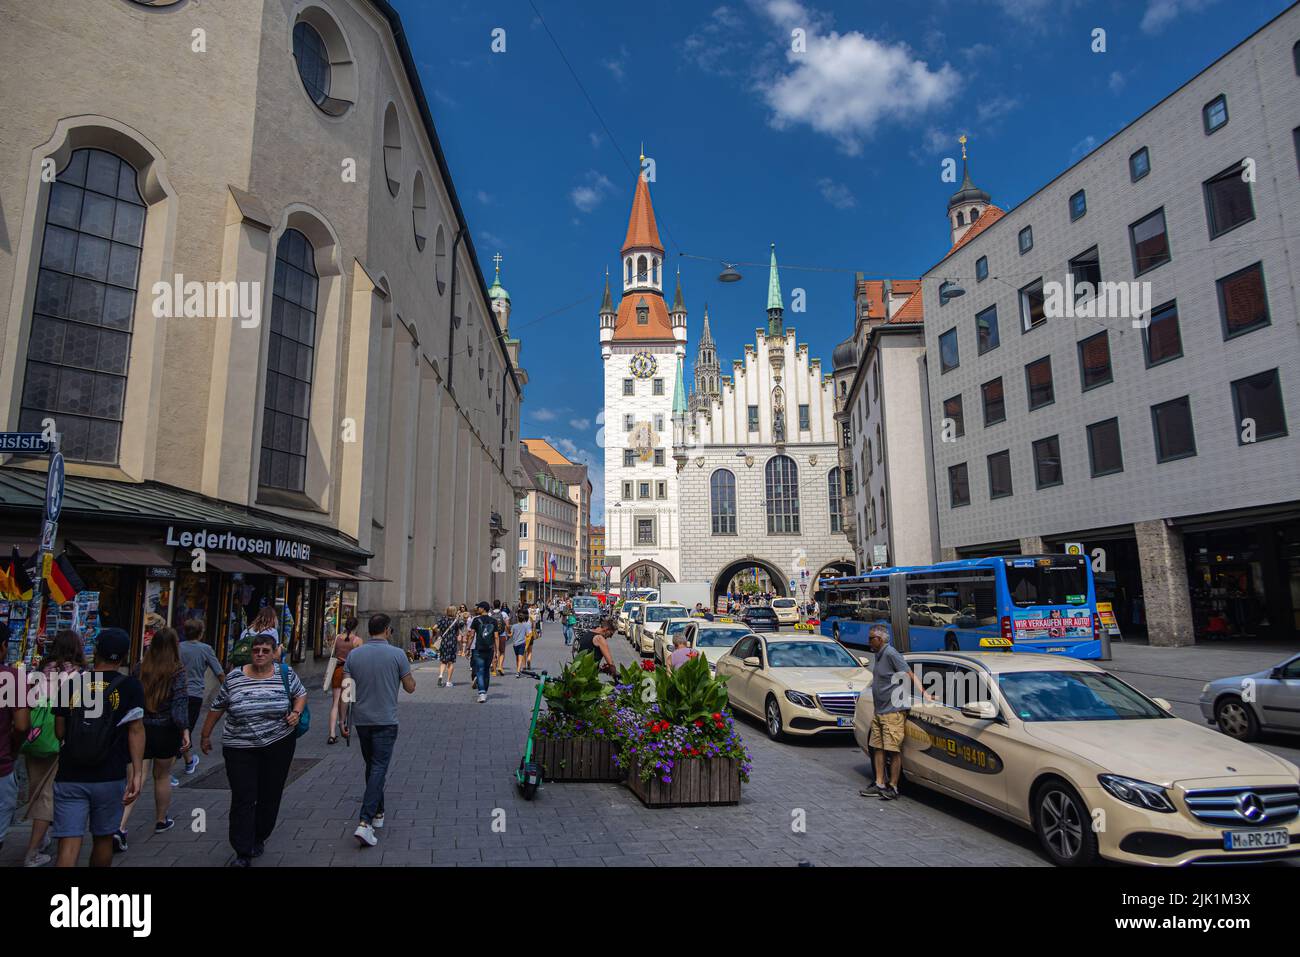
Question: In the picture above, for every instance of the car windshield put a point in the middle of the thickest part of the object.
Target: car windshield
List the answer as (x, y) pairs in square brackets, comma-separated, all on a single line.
[(676, 625), (661, 614), (760, 613), (1074, 696), (783, 603), (586, 604), (809, 654), (634, 612), (1032, 583), (719, 637)]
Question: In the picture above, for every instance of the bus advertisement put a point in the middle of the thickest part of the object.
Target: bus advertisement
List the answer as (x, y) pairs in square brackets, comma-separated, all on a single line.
[(1040, 603)]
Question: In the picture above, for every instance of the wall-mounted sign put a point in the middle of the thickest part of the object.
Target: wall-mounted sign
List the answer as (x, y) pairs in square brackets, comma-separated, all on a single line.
[(23, 442), (160, 571), (1074, 548), (240, 543)]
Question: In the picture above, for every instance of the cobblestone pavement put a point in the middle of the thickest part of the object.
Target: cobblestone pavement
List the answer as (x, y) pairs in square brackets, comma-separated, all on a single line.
[(451, 792)]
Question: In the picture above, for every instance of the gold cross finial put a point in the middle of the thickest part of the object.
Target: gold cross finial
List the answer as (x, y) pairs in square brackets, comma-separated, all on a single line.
[(962, 140), (497, 259)]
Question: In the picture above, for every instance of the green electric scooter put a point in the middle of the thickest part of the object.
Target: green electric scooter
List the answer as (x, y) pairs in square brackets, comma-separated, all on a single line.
[(529, 775)]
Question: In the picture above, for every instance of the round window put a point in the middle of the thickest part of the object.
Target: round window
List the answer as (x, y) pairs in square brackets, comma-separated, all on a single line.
[(313, 61)]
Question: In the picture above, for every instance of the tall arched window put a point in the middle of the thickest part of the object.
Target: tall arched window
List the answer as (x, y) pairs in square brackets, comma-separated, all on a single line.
[(85, 298), (627, 271), (722, 502), (961, 219), (782, 496), (836, 500), (656, 270), (642, 269), (289, 364)]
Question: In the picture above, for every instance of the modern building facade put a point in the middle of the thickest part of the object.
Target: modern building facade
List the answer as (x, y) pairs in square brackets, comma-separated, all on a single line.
[(759, 480), (549, 563), (248, 301), (1148, 422)]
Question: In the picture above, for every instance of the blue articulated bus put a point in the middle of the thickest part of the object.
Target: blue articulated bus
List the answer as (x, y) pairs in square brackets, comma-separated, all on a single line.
[(1039, 603)]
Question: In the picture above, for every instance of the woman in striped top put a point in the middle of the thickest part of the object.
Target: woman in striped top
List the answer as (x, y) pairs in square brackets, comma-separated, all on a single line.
[(257, 743)]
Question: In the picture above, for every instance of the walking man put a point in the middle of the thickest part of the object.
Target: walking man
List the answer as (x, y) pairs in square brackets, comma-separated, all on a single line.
[(376, 669), (483, 646), (891, 702)]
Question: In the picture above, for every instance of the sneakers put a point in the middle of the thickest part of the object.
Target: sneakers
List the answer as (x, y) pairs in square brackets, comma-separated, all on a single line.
[(37, 860), (516, 674), (378, 822), (450, 685), (871, 790), (441, 681), (119, 842), (161, 827), (175, 783), (365, 835), (192, 764), (888, 794), (482, 697)]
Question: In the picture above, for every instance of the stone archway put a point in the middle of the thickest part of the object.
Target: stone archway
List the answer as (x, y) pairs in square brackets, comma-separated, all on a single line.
[(731, 569), (651, 573), (836, 569)]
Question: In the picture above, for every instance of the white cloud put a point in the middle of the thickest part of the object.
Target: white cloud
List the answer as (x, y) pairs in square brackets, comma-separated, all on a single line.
[(580, 425), (615, 66), (941, 142), (837, 194), (591, 193), (845, 85), (543, 414), (1083, 147), (490, 239), (1160, 13), (977, 51), (1116, 81), (483, 197), (594, 137), (720, 45), (990, 110)]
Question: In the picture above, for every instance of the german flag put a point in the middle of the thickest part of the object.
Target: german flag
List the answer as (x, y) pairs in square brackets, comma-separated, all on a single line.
[(15, 585), (63, 581)]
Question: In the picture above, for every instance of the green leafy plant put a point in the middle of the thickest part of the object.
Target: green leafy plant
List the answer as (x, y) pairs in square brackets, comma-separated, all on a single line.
[(690, 692), (579, 691)]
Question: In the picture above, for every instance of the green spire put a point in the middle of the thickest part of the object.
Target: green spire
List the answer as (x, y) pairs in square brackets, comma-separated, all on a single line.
[(679, 391), (774, 286), (607, 304)]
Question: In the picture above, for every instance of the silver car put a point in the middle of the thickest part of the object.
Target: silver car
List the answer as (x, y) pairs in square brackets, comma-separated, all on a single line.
[(1245, 705)]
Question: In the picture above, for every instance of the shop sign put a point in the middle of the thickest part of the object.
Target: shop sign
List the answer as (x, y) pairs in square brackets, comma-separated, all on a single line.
[(239, 543), (160, 571), (23, 442)]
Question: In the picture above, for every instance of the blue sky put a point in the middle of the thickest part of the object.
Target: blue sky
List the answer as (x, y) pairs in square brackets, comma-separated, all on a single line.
[(835, 155)]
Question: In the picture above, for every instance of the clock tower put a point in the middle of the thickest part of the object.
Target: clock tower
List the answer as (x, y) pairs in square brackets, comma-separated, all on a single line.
[(641, 341)]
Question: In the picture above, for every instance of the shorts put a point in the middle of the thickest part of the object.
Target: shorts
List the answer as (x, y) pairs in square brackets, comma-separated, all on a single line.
[(75, 801), (520, 650), (336, 679), (887, 731), (161, 741), (40, 786), (8, 802)]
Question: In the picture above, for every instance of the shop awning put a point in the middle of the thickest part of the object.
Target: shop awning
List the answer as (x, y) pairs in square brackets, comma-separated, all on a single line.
[(125, 553), (334, 573), (288, 571), (233, 563)]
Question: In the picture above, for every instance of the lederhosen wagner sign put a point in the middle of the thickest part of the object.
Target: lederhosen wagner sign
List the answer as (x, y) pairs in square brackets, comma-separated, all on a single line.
[(240, 543)]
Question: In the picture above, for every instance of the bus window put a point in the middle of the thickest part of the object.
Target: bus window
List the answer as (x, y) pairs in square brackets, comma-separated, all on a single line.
[(1046, 583)]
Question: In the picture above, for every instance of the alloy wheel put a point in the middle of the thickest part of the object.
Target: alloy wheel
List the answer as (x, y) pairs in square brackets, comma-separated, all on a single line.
[(774, 727), (1061, 823)]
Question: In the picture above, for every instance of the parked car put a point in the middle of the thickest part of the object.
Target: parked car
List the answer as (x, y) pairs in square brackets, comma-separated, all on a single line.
[(796, 684), (787, 610), (663, 639), (625, 617), (713, 639), (760, 618), (653, 617), (1244, 705), (1056, 744)]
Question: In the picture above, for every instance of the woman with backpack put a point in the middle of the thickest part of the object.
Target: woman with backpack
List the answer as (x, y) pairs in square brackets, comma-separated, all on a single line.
[(263, 623), (166, 724), (263, 704), (65, 655), (343, 644)]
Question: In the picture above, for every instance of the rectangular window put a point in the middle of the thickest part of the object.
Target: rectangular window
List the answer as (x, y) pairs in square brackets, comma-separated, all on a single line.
[(645, 531), (659, 456), (1172, 424), (629, 458), (1085, 270), (523, 557), (1228, 202), (982, 269), (1000, 474), (658, 387), (1162, 337), (952, 410), (627, 490), (805, 420), (1047, 462), (1032, 312), (659, 423), (880, 446), (661, 489), (1026, 239), (958, 486), (986, 330), (523, 529), (848, 480), (627, 387), (1215, 114), (1104, 451), (1243, 304), (1258, 402), (1150, 242), (1038, 383), (995, 407), (628, 422), (643, 490), (949, 358), (870, 459), (1094, 361), (1139, 164), (1078, 205), (753, 418)]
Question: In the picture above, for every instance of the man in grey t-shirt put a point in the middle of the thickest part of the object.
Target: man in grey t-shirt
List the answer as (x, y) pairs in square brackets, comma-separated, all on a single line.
[(891, 698), (372, 675)]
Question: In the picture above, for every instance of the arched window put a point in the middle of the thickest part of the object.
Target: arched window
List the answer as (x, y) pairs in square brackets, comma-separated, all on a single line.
[(961, 220), (782, 496), (974, 215), (313, 61), (85, 299), (289, 364), (722, 502), (871, 519), (882, 509), (835, 498), (642, 269), (656, 270), (627, 271)]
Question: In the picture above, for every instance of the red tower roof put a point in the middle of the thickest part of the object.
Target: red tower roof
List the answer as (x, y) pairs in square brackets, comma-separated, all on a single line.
[(641, 228)]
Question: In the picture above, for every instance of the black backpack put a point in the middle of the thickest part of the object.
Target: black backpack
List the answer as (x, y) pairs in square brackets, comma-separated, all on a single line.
[(88, 739)]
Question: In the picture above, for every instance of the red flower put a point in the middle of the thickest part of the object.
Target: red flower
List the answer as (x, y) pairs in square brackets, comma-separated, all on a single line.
[(699, 723), (647, 666), (717, 716)]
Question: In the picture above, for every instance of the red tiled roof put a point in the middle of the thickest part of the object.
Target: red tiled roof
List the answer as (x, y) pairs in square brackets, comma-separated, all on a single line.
[(987, 218), (546, 452), (912, 310), (659, 326), (641, 227), (909, 311)]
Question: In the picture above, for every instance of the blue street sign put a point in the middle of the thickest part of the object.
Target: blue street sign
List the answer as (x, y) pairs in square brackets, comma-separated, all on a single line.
[(23, 442), (54, 489), (791, 582)]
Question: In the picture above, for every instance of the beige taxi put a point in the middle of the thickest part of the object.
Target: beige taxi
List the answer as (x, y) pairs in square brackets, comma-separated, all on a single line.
[(712, 639), (652, 620), (796, 684), (1092, 765)]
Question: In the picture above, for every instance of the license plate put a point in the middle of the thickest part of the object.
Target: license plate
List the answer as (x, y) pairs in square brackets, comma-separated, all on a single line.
[(844, 722), (1256, 840), (995, 643)]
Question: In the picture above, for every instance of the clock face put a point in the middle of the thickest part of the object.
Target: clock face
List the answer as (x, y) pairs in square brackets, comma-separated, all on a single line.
[(644, 365)]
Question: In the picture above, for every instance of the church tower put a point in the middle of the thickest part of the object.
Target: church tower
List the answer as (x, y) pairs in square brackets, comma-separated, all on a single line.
[(708, 374), (642, 345), (968, 204)]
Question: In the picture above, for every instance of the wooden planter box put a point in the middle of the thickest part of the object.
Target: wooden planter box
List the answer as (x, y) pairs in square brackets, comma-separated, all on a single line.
[(696, 782), (577, 759)]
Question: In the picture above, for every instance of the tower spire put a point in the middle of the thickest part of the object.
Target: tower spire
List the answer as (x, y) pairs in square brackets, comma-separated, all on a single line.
[(606, 304), (775, 305), (678, 304)]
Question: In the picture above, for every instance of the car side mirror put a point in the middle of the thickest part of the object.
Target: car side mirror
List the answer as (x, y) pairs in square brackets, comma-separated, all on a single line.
[(1164, 704), (864, 660), (980, 710), (752, 661)]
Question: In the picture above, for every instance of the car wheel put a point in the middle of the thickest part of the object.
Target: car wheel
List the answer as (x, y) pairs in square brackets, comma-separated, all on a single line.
[(950, 643), (1236, 719), (1064, 826), (775, 729)]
